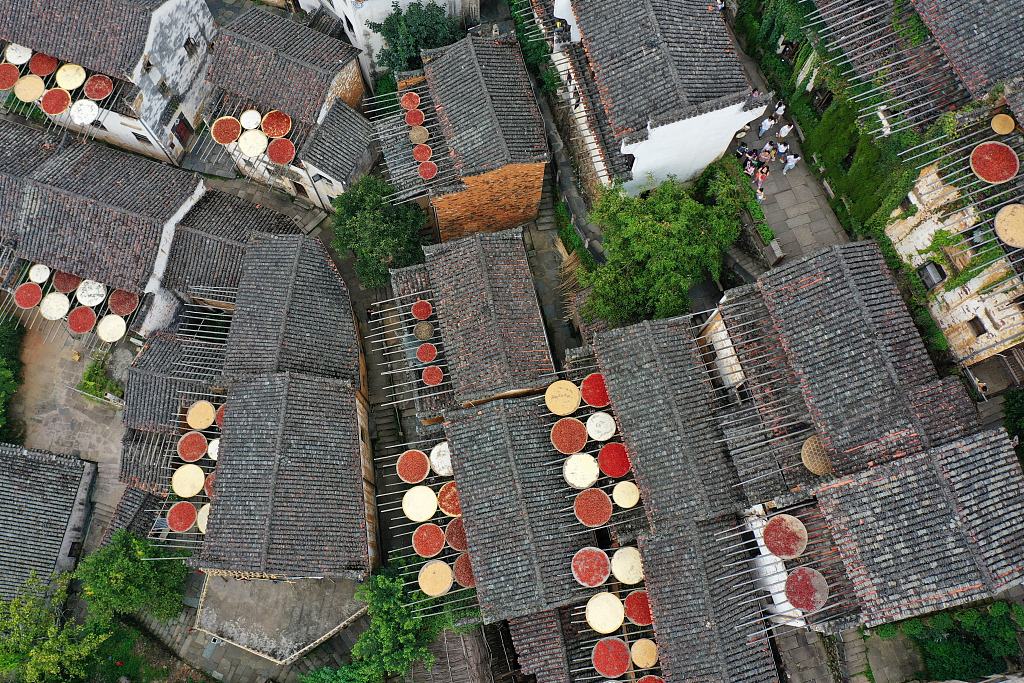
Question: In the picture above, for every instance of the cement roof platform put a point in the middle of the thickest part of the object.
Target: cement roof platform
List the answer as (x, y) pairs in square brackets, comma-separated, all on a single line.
[(277, 619)]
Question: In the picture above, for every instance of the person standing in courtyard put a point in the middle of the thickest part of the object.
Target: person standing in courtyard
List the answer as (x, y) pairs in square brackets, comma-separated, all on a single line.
[(780, 110), (760, 194), (784, 131), (791, 161), (782, 150), (766, 126)]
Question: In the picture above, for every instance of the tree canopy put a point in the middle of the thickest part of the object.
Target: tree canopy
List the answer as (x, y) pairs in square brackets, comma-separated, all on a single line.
[(396, 639), (422, 25), (379, 235), (122, 578), (661, 243), (37, 642)]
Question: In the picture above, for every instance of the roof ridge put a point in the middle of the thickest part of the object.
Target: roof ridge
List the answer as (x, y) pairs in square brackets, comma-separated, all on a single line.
[(99, 202), (279, 53), (962, 525), (272, 480), (292, 273), (662, 47), (487, 98), (503, 356)]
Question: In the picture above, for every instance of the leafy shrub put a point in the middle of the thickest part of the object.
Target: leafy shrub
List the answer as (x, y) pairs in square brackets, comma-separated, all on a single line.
[(969, 619), (11, 335), (120, 579), (912, 627), (549, 80), (1018, 614), (943, 621), (96, 383), (999, 608), (660, 243), (1013, 417), (570, 238), (886, 631)]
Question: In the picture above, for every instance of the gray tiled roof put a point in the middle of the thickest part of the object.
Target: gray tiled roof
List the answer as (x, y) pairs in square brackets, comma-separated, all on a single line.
[(341, 146), (658, 60), (135, 512), (145, 459), (853, 345), (289, 481), (662, 401), (514, 507), (1015, 96), (769, 467), (210, 240), (485, 103), (701, 621), (39, 491), (540, 646), (931, 531), (490, 320), (278, 63), (104, 35), (292, 312), (620, 165), (88, 209), (981, 38), (393, 134), (408, 285), (156, 381)]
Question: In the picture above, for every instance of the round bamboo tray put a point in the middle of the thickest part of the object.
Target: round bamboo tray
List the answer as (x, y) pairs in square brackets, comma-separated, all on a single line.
[(1003, 124), (644, 653), (200, 415), (627, 567), (1010, 225), (562, 397), (605, 613), (419, 503), (580, 471), (626, 495), (814, 457), (435, 578)]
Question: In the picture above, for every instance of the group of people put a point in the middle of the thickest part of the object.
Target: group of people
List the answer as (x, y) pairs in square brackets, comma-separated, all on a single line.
[(756, 163)]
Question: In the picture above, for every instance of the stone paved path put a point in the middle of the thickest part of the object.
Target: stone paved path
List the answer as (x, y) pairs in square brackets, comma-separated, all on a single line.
[(796, 204)]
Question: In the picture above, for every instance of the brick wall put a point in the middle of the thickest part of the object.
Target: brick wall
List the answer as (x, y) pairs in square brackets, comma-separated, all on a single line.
[(348, 85), (493, 201)]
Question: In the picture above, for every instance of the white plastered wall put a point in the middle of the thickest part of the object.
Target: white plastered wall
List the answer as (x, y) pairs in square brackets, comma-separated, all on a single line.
[(685, 148)]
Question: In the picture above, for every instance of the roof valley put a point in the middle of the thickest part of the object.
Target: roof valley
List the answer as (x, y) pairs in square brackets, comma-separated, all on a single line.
[(662, 47), (265, 545)]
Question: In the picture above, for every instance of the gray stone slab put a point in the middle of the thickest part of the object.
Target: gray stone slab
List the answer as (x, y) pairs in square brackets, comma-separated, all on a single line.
[(785, 199), (798, 220)]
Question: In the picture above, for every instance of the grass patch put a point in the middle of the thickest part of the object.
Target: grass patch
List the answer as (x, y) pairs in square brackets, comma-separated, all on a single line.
[(96, 383)]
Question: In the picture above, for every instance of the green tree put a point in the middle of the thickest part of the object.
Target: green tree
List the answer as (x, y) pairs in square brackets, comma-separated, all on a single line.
[(35, 640), (1013, 416), (660, 244), (379, 234), (397, 638), (123, 578), (420, 26)]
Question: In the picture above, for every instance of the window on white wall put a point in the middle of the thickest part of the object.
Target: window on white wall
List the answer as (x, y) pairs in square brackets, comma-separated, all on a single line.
[(98, 124), (142, 138), (190, 48)]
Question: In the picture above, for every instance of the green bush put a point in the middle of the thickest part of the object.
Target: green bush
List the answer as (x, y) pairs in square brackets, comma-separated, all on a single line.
[(943, 621), (96, 383), (660, 243), (886, 631), (11, 336), (1018, 614), (999, 608), (122, 578), (969, 619), (549, 80), (912, 627), (1013, 417), (570, 238)]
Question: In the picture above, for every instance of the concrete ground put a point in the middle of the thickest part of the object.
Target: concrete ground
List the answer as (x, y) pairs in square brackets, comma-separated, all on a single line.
[(276, 618), (60, 420)]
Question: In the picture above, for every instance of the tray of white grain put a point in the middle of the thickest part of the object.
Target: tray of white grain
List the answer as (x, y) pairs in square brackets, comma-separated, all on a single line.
[(605, 613)]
